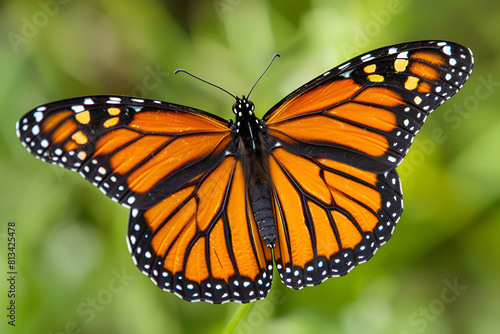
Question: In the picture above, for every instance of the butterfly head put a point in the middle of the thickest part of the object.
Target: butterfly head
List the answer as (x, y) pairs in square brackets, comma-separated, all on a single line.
[(243, 107)]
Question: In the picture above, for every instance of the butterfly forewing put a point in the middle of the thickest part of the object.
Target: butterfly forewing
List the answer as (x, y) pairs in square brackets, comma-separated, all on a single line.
[(366, 112), (136, 151)]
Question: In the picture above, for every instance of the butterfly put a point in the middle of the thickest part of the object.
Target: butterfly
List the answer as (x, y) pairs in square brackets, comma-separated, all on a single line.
[(312, 185)]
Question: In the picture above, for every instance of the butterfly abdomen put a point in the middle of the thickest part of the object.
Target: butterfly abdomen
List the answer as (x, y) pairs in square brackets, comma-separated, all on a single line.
[(260, 200), (258, 184)]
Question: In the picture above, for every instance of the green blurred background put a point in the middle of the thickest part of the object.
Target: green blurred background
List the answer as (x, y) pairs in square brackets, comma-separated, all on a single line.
[(440, 272)]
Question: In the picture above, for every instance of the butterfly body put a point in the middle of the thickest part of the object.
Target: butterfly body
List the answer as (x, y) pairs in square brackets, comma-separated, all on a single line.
[(314, 180), (253, 148)]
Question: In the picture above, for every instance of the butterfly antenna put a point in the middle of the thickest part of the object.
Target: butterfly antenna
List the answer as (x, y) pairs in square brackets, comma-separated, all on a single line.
[(276, 55), (205, 81)]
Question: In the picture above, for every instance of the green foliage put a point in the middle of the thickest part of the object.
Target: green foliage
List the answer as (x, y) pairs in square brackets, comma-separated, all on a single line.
[(438, 274)]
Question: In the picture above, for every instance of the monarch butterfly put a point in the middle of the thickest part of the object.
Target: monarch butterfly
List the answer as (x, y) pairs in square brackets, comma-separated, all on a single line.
[(311, 185)]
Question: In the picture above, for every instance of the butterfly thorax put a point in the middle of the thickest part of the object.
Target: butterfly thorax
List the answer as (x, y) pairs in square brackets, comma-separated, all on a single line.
[(247, 126), (248, 133)]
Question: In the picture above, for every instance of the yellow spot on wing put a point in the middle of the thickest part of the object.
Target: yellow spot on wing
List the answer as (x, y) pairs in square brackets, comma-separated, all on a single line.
[(81, 155), (83, 117), (79, 138), (411, 83), (375, 78), (370, 68), (400, 64), (114, 111), (111, 122)]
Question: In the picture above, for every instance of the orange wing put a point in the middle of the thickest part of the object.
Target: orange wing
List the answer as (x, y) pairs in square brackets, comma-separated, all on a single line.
[(136, 151), (190, 228), (202, 242), (330, 216), (366, 112), (334, 145)]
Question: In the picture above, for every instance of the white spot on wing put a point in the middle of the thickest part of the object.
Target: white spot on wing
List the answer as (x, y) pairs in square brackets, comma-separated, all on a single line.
[(134, 212), (35, 130), (38, 116), (403, 55), (447, 50), (366, 57), (78, 108), (392, 51), (341, 67)]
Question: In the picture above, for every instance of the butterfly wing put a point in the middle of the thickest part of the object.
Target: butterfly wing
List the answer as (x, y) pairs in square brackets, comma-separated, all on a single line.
[(335, 144), (190, 228), (366, 111), (202, 242), (330, 216), (136, 151)]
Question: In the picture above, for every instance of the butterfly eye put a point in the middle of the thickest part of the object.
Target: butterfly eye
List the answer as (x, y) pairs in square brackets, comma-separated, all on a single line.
[(236, 107)]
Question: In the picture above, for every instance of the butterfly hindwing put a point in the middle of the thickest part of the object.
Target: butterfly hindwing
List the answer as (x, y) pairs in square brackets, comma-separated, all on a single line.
[(202, 242), (331, 216), (366, 112)]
